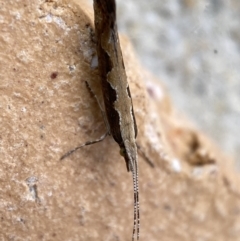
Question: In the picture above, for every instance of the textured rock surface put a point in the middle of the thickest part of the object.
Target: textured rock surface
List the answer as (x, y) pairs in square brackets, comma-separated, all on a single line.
[(45, 110)]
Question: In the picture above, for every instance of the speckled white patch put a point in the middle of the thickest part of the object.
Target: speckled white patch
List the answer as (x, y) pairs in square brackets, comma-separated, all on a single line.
[(31, 180), (49, 18), (155, 91), (23, 109), (153, 138), (176, 165), (94, 62)]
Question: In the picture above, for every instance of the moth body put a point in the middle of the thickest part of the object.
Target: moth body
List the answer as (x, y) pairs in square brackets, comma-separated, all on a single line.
[(116, 92)]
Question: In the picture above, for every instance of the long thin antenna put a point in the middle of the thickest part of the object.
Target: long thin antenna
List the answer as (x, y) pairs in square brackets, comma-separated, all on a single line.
[(136, 215)]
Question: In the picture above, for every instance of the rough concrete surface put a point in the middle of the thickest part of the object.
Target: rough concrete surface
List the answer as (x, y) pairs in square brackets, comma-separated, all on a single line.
[(46, 52)]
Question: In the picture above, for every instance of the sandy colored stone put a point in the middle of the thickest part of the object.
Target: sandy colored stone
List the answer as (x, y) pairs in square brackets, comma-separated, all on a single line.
[(46, 53)]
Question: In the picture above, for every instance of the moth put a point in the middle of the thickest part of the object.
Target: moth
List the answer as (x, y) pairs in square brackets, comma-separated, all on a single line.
[(116, 92), (120, 119)]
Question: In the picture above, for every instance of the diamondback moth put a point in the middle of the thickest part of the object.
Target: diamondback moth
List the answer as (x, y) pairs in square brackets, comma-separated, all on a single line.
[(116, 92), (120, 117)]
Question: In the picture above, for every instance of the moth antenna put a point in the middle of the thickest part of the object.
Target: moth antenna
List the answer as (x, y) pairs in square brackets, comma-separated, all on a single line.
[(135, 205), (138, 204), (136, 217)]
